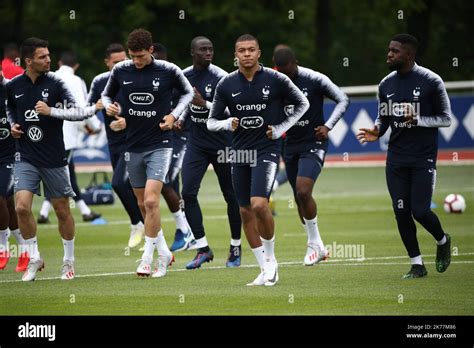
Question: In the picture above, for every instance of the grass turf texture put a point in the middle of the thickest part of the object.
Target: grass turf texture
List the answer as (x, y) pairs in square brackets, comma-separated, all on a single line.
[(354, 208)]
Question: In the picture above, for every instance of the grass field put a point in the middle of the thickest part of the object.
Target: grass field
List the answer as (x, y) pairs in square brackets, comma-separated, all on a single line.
[(354, 210)]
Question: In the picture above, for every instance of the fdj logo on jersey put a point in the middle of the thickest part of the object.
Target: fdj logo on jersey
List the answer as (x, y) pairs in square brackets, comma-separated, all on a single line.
[(141, 98)]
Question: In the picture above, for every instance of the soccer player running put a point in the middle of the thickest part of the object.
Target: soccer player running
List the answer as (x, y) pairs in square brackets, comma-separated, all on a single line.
[(116, 137), (255, 97), (203, 149), (8, 218), (37, 103), (413, 102), (306, 143), (144, 87)]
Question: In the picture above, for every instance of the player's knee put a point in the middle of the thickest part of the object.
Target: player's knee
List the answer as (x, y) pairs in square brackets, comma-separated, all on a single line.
[(62, 211), (303, 195), (22, 209), (260, 207), (246, 213), (402, 214), (189, 198), (150, 203), (420, 214)]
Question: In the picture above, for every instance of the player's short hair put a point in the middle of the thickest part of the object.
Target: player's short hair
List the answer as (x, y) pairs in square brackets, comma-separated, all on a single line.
[(139, 39), (29, 46), (407, 39), (247, 37), (113, 48), (198, 38), (279, 47), (283, 56), (69, 58)]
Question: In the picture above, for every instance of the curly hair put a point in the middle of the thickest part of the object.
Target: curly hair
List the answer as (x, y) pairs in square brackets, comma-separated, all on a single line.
[(139, 39)]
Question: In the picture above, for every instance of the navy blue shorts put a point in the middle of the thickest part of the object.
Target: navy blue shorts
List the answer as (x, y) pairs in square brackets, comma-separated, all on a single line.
[(255, 180), (307, 162), (6, 179)]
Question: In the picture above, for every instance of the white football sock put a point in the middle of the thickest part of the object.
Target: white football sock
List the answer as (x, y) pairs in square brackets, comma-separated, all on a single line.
[(45, 208), (4, 234), (417, 260), (311, 227), (31, 246), (180, 219), (235, 242), (19, 238), (83, 207), (442, 241), (201, 242), (150, 245), (161, 245), (260, 256), (139, 225), (68, 250), (269, 247)]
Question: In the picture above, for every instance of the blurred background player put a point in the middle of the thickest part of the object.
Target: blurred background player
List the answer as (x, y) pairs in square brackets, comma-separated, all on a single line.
[(68, 65), (8, 218), (145, 86), (306, 143), (255, 96), (11, 66), (116, 136), (183, 236), (418, 105), (203, 149)]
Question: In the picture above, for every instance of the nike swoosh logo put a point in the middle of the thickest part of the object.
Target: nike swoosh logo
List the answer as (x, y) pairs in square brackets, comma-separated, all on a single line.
[(313, 150), (20, 95), (389, 95), (127, 82), (273, 280), (267, 161), (235, 94)]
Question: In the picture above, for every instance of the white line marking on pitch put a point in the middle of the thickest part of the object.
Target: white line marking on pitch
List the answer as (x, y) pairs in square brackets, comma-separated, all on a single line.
[(333, 262)]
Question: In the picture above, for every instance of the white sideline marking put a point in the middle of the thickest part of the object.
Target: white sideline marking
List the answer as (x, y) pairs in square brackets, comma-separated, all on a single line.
[(331, 262)]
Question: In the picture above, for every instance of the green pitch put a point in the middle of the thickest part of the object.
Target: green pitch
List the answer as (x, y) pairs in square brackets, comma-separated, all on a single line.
[(355, 220)]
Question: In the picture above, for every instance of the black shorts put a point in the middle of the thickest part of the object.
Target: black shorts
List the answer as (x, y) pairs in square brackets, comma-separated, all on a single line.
[(255, 181), (410, 187), (306, 160)]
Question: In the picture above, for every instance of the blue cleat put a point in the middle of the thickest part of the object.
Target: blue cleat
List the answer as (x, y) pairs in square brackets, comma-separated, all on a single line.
[(201, 257), (181, 240), (234, 257)]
